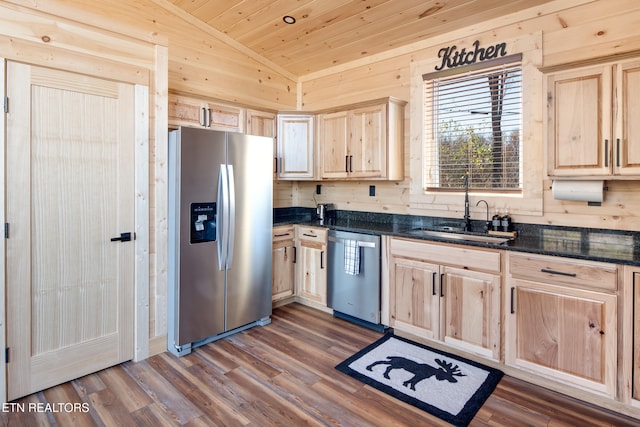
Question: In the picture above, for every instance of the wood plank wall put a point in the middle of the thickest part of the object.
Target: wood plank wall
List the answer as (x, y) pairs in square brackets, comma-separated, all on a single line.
[(571, 32), (199, 63)]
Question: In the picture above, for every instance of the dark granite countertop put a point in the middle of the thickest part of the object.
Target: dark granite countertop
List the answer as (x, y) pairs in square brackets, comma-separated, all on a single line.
[(619, 247)]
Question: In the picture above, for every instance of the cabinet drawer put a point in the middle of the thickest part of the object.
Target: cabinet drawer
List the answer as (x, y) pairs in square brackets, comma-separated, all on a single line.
[(568, 271), (283, 233), (460, 256), (312, 234)]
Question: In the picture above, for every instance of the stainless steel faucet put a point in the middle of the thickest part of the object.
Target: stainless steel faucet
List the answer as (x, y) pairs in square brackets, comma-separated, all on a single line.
[(467, 217), (487, 223)]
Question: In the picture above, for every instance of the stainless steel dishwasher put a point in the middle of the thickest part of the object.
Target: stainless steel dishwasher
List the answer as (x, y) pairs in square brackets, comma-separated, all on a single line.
[(353, 277)]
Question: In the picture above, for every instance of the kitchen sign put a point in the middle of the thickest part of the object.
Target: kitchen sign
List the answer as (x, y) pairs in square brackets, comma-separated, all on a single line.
[(452, 57)]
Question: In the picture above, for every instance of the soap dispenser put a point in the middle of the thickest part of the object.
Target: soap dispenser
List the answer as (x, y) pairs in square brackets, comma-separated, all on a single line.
[(505, 222), (496, 221)]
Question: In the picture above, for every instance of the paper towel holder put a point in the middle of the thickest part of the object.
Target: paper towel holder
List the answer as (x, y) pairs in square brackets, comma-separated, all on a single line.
[(589, 202), (604, 188)]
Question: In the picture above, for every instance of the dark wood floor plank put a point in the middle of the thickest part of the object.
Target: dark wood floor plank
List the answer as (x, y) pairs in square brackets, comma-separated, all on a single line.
[(69, 411), (162, 392), (245, 359), (308, 356), (133, 397), (88, 384), (267, 407), (280, 374), (371, 415), (152, 416), (110, 409), (205, 397), (304, 396), (276, 357)]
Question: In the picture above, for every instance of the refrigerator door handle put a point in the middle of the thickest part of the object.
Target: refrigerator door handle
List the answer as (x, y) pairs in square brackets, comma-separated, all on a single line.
[(231, 223), (221, 215)]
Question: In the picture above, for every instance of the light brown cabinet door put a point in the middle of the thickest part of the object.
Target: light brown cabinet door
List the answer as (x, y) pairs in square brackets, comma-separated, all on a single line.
[(193, 112), (563, 333), (70, 189), (312, 273), (627, 148), (414, 298), (283, 284), (470, 311), (295, 147), (580, 122), (333, 138), (636, 336), (261, 123), (368, 142)]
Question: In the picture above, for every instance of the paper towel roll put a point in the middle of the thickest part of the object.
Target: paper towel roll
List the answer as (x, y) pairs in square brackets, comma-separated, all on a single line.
[(583, 191)]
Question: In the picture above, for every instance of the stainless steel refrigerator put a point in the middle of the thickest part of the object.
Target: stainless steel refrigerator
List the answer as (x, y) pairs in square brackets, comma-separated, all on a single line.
[(220, 220)]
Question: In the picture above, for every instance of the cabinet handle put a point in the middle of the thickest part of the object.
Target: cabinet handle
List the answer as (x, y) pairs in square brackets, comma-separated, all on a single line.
[(559, 273), (281, 235), (513, 294), (606, 153), (203, 116), (321, 257), (618, 152), (346, 163), (309, 235), (295, 254), (275, 165), (350, 163), (433, 284), (441, 285)]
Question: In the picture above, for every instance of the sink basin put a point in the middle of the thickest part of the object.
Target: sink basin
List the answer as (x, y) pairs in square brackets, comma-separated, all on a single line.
[(462, 237)]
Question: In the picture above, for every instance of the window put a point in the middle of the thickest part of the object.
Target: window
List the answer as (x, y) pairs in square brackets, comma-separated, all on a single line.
[(473, 127)]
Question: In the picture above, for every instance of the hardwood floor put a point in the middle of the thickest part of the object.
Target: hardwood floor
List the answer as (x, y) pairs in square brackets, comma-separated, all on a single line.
[(280, 374)]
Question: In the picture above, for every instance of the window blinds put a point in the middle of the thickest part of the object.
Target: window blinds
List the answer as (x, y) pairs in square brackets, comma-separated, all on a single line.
[(473, 126)]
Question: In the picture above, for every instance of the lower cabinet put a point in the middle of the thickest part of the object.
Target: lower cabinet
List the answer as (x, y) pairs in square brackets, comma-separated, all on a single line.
[(311, 264), (437, 292), (633, 282), (561, 320), (284, 258)]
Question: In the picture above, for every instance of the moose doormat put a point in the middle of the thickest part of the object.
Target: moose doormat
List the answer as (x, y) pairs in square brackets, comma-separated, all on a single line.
[(447, 386)]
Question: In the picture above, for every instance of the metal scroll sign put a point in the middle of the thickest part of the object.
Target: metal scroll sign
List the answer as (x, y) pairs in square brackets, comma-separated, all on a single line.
[(452, 57)]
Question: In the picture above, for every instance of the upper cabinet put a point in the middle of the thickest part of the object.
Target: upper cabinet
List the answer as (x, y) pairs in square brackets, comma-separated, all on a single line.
[(364, 141), (260, 123), (593, 121), (195, 112), (294, 158)]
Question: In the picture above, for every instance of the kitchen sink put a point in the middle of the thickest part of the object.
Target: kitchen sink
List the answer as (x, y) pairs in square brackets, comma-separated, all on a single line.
[(461, 237)]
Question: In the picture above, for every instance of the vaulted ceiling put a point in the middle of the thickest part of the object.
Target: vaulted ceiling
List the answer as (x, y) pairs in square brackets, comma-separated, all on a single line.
[(331, 32)]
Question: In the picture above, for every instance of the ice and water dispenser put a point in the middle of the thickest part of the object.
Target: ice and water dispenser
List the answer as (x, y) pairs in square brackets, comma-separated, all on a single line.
[(203, 222)]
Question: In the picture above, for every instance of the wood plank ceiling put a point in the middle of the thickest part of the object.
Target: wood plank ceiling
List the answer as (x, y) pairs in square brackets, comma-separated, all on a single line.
[(331, 32)]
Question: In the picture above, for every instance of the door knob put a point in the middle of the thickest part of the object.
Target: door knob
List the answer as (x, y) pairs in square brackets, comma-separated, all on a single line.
[(124, 237)]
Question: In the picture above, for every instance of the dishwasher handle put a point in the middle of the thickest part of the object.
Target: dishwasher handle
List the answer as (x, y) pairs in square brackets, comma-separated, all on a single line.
[(359, 243)]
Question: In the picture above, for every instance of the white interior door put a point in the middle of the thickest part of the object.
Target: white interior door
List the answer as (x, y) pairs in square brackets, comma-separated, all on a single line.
[(70, 189)]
